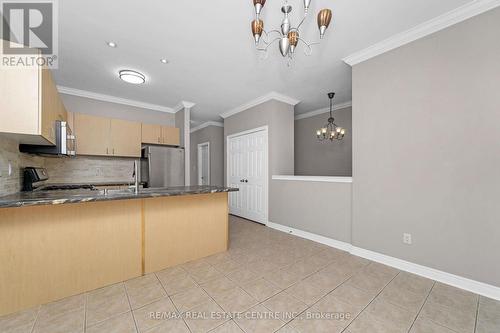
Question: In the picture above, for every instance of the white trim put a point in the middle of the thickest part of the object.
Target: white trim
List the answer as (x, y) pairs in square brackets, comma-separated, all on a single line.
[(477, 287), (441, 22), (271, 96), (324, 179), (323, 110), (307, 235), (253, 130), (113, 99), (187, 146), (183, 105), (266, 163), (199, 160), (206, 124), (431, 273)]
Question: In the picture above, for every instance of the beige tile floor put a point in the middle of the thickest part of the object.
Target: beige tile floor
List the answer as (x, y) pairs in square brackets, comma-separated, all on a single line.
[(268, 281)]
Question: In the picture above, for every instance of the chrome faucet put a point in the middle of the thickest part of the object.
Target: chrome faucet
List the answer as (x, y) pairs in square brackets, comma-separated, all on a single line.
[(135, 174)]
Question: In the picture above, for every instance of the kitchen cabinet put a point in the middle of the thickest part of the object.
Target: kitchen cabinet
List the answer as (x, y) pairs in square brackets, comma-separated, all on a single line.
[(29, 105), (125, 138), (151, 134), (162, 135), (106, 137), (92, 134), (170, 136)]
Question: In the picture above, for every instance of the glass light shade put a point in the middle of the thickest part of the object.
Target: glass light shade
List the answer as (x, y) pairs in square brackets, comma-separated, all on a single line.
[(258, 4), (306, 5), (324, 19), (131, 76), (257, 28), (293, 36), (284, 45)]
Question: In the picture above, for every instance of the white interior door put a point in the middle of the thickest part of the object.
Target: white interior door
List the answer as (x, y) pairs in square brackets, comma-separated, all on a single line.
[(204, 163), (247, 170)]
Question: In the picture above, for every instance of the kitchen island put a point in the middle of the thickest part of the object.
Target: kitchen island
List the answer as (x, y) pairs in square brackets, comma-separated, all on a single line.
[(55, 244)]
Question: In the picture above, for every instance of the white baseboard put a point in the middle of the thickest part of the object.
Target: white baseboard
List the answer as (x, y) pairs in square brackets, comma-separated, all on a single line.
[(316, 238), (476, 287)]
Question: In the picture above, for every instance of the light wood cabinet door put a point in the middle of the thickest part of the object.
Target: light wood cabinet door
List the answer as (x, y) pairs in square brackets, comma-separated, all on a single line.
[(50, 106), (92, 134), (125, 138), (19, 100), (171, 136), (151, 134)]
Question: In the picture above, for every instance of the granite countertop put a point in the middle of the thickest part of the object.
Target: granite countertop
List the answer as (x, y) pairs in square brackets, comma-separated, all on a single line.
[(58, 197)]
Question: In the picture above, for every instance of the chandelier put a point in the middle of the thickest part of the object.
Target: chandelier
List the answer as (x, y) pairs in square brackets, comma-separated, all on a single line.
[(288, 37), (331, 131)]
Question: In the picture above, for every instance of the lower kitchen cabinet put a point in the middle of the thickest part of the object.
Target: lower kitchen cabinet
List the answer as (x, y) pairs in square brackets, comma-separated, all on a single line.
[(54, 251)]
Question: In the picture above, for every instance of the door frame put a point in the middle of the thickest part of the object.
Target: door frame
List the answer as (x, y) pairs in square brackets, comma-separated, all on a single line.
[(264, 129), (200, 173)]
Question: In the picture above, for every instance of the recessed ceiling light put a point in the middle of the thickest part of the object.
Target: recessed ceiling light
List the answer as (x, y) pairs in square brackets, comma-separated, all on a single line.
[(111, 44), (164, 61), (131, 76)]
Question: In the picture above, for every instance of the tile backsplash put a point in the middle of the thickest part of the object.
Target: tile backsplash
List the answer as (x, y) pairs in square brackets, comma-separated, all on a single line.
[(81, 169), (9, 154), (86, 169)]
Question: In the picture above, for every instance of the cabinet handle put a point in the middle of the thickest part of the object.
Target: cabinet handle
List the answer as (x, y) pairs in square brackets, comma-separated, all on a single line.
[(113, 151), (107, 151)]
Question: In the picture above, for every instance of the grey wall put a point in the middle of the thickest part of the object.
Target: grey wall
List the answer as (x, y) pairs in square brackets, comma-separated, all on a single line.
[(118, 111), (315, 158), (179, 123), (214, 135), (279, 117), (317, 207), (426, 124)]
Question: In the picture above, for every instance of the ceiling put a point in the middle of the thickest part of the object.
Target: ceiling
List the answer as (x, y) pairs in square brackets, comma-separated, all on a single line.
[(213, 62)]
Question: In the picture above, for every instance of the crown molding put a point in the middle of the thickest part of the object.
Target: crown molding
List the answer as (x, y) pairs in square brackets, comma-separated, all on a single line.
[(323, 110), (206, 124), (271, 96), (113, 99), (183, 105), (441, 22)]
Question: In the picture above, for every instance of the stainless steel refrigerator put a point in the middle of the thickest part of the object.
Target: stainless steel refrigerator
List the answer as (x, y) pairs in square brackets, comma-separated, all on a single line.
[(162, 166)]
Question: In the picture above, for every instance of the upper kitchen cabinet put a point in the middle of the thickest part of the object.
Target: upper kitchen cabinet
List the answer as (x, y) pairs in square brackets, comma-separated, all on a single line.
[(125, 138), (160, 135), (29, 105), (101, 136), (92, 134), (151, 134), (170, 136)]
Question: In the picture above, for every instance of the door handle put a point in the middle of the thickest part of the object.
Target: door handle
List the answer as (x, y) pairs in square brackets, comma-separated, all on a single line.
[(246, 180)]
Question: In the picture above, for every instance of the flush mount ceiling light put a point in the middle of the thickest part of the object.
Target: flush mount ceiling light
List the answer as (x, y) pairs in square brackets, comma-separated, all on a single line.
[(111, 44), (288, 37), (330, 131), (131, 76)]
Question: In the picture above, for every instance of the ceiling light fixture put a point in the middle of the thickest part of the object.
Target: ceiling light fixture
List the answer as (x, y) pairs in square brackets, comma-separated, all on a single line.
[(131, 76), (164, 61), (287, 36), (111, 44), (331, 131)]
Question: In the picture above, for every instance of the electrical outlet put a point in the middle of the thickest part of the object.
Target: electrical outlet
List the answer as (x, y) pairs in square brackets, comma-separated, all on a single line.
[(407, 239)]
